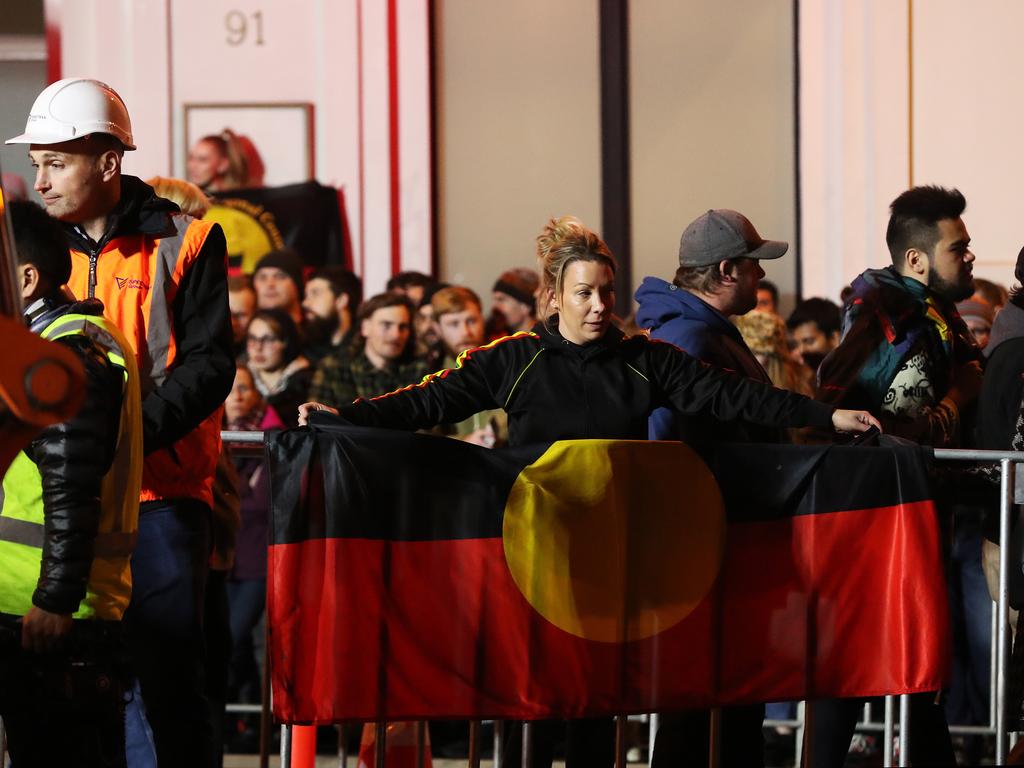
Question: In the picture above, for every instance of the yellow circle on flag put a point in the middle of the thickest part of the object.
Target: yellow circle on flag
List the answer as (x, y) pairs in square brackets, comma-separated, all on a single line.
[(250, 232), (614, 540)]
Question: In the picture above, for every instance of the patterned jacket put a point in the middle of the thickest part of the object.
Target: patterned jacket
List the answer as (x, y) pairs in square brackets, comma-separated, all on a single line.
[(906, 356)]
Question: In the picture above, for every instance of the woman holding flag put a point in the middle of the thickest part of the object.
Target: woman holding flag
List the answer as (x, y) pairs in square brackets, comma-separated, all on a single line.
[(576, 376)]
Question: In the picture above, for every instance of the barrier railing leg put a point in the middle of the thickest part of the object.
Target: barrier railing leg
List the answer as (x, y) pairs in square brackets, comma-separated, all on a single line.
[(715, 739), (904, 730), (799, 732), (652, 734), (266, 700), (805, 747), (286, 746), (993, 664), (888, 731), (620, 741), (342, 746), (380, 744), (474, 744), (527, 744), (499, 742), (1003, 636), (421, 744)]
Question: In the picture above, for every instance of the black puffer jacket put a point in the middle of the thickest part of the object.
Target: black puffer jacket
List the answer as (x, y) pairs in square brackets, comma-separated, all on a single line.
[(72, 458), (555, 390)]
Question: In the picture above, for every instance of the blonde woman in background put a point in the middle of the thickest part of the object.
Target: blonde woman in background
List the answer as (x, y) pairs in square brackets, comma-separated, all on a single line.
[(188, 197), (765, 334)]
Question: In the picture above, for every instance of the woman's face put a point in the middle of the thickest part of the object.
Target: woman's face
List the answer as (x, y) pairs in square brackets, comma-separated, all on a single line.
[(205, 164), (243, 397), (585, 306), (264, 347)]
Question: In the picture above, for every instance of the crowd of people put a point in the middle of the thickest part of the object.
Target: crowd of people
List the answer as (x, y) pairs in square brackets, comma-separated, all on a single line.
[(177, 349)]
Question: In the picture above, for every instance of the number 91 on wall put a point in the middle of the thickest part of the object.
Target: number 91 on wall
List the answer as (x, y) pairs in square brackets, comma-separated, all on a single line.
[(243, 28)]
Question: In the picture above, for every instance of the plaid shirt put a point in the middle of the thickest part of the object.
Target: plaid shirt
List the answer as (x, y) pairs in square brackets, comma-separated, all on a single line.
[(341, 377)]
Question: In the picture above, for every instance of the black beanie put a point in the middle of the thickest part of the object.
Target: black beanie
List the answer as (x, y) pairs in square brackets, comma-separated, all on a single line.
[(288, 261), (520, 284)]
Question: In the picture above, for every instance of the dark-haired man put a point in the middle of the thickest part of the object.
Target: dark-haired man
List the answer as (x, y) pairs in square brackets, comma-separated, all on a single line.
[(906, 355), (277, 281), (383, 360), (767, 297), (514, 302), (333, 295), (69, 515), (242, 304), (908, 358), (411, 284), (814, 328)]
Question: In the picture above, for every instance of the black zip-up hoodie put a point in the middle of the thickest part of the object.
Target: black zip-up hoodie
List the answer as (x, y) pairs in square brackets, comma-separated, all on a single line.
[(204, 367), (73, 458), (555, 390), (999, 405)]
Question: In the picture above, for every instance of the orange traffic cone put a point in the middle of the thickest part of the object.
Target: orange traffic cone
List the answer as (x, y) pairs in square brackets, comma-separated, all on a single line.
[(400, 747)]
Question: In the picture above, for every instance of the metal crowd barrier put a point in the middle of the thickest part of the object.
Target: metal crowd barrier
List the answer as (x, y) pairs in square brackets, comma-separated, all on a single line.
[(250, 443), (805, 712)]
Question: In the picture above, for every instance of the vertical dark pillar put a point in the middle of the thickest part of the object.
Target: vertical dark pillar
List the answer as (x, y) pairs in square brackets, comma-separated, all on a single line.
[(615, 175)]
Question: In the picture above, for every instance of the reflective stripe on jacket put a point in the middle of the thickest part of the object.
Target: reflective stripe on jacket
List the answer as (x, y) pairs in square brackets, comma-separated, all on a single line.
[(22, 520), (137, 277)]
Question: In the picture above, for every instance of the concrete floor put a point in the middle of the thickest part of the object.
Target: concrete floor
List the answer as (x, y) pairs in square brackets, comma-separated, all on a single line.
[(323, 761)]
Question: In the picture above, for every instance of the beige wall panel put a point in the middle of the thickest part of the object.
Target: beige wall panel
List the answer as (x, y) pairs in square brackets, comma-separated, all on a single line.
[(518, 129), (968, 63), (712, 123)]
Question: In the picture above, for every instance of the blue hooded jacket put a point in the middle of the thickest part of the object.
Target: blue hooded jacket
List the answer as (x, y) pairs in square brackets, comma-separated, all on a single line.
[(681, 318)]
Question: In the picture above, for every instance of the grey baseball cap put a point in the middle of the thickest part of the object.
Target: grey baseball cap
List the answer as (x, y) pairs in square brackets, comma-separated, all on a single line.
[(723, 234)]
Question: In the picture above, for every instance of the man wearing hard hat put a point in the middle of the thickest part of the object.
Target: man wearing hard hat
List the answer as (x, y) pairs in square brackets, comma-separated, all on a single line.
[(162, 277)]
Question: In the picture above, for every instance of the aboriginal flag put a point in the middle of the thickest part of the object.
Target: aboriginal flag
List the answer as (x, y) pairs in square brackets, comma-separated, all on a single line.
[(307, 217), (416, 577)]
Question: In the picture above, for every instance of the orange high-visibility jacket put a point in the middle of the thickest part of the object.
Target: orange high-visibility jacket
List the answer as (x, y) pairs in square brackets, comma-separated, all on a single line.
[(162, 277)]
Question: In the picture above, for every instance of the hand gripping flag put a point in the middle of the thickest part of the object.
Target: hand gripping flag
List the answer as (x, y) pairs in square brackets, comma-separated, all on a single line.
[(417, 577)]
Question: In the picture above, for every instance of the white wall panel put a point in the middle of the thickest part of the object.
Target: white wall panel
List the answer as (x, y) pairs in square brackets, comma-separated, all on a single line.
[(333, 54), (854, 127)]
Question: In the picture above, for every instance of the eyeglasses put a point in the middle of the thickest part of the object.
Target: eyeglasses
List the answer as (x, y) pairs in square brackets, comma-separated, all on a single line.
[(259, 341)]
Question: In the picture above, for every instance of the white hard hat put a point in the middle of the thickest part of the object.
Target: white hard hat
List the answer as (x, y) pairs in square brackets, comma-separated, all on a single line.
[(75, 107)]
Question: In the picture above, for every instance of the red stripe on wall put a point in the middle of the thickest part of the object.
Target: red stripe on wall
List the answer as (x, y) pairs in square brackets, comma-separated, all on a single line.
[(396, 217), (52, 15)]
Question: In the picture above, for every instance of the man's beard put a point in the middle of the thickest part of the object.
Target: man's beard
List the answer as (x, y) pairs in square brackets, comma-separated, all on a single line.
[(320, 330), (951, 291), (813, 360)]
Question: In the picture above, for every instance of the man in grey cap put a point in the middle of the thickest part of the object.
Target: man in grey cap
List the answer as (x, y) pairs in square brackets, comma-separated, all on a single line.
[(719, 270), (718, 275)]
